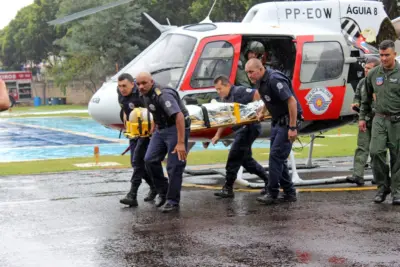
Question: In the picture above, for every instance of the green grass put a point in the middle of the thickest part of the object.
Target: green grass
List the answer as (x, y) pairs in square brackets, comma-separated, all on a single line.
[(48, 108), (333, 147), (19, 111)]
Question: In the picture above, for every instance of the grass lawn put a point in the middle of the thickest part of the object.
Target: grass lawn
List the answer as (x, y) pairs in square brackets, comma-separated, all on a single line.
[(332, 146), (29, 111)]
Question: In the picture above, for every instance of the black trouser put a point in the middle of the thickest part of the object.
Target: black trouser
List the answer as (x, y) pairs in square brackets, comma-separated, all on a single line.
[(240, 154), (138, 151)]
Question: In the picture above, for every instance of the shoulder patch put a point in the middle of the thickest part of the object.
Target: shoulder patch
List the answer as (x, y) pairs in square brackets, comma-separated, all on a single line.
[(158, 91), (249, 90), (279, 85)]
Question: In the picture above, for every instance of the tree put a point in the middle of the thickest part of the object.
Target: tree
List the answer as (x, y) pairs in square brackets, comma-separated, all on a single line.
[(94, 45)]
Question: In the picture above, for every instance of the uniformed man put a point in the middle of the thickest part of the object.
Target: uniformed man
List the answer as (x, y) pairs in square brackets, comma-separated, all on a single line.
[(363, 138), (253, 49), (4, 98), (170, 137), (129, 98), (278, 96), (240, 153), (383, 86)]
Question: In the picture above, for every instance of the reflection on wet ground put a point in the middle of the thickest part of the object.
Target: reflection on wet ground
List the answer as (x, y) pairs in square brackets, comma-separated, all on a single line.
[(75, 219)]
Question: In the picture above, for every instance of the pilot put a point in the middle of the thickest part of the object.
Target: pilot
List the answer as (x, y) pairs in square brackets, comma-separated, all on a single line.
[(129, 98), (382, 86), (363, 138), (253, 49), (240, 153), (170, 137), (4, 98), (278, 96)]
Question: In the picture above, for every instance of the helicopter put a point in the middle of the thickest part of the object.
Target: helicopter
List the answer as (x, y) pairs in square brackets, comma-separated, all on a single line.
[(319, 45)]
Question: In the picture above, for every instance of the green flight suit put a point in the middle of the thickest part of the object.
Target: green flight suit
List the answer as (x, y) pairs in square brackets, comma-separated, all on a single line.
[(241, 75), (385, 131), (363, 138)]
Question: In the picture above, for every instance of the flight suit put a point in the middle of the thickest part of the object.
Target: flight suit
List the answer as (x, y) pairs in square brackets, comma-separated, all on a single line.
[(240, 153), (385, 129), (138, 149), (363, 138), (241, 76), (164, 103), (275, 89)]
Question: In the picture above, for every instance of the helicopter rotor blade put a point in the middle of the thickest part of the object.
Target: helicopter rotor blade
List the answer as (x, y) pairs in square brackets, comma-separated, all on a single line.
[(87, 12)]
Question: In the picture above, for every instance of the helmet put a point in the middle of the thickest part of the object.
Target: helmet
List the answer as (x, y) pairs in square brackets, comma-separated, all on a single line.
[(255, 47)]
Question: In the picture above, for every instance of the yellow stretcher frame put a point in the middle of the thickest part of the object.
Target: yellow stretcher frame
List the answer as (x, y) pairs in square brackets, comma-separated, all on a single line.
[(142, 127)]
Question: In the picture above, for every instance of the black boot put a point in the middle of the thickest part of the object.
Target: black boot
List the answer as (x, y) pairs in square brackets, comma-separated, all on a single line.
[(381, 196), (151, 195), (131, 198), (226, 192), (267, 199), (355, 180)]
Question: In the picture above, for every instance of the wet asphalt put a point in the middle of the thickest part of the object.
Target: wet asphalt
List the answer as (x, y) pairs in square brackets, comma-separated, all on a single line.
[(75, 219)]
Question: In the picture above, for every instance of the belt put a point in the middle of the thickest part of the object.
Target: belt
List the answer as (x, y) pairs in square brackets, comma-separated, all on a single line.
[(386, 115), (389, 116)]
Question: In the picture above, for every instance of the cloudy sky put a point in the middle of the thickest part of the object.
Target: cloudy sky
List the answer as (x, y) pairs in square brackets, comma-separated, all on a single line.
[(9, 9)]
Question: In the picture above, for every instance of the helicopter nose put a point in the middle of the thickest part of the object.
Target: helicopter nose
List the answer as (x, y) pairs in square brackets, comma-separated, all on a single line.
[(103, 106)]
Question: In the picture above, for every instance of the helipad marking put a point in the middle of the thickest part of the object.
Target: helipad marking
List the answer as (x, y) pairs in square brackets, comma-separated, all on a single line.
[(333, 189), (115, 140), (93, 164)]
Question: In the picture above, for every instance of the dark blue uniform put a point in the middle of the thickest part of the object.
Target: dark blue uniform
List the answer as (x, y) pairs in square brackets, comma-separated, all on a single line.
[(138, 146), (240, 153), (275, 89), (164, 103)]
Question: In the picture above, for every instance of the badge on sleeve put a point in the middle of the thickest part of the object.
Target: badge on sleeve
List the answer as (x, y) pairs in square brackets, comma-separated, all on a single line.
[(379, 80), (152, 107), (248, 90), (267, 98), (279, 86), (167, 104), (131, 106)]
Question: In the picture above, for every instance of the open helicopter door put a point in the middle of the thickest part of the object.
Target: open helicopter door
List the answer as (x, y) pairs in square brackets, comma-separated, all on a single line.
[(320, 75)]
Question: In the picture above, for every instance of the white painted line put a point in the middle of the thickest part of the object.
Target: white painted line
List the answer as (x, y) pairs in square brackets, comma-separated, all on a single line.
[(100, 164), (338, 135), (70, 132), (60, 146)]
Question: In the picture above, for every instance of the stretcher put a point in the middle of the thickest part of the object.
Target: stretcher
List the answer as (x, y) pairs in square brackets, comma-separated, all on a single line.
[(207, 116)]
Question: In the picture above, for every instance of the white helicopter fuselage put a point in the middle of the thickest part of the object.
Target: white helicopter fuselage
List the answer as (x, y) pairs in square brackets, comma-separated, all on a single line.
[(316, 44)]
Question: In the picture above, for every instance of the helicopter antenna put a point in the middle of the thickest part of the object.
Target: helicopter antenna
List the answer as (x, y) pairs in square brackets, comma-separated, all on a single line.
[(169, 23), (207, 19), (161, 28), (87, 12)]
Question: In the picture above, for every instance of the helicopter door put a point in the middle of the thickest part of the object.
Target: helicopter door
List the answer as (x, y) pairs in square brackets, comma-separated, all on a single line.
[(320, 74)]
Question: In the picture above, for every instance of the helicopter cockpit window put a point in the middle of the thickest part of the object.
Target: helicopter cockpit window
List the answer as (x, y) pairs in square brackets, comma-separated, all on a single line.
[(166, 59), (216, 59), (322, 61)]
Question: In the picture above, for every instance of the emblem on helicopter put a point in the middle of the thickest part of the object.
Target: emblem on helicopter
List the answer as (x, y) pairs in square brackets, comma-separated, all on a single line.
[(318, 100)]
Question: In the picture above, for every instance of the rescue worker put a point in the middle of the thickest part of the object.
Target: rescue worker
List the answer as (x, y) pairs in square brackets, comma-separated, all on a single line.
[(240, 153), (363, 138), (129, 98), (276, 91), (170, 137), (253, 49), (4, 98), (383, 86)]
